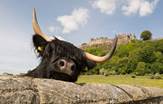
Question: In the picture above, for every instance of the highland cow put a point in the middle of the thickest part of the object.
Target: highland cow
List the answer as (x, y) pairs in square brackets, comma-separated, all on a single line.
[(62, 60)]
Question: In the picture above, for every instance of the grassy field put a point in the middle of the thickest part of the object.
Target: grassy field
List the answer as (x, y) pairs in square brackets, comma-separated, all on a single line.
[(121, 79)]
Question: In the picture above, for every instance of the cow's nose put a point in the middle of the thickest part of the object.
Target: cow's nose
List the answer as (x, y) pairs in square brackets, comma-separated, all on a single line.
[(73, 67), (61, 63)]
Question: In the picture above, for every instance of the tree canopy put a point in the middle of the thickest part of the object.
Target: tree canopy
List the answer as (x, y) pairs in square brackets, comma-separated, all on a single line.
[(146, 35)]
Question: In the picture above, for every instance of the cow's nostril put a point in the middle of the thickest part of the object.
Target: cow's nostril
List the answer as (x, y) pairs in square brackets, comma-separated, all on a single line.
[(61, 63), (73, 67)]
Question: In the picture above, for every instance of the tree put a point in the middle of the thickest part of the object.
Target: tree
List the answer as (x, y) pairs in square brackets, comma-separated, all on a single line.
[(146, 35), (157, 67), (146, 54), (159, 46), (140, 69)]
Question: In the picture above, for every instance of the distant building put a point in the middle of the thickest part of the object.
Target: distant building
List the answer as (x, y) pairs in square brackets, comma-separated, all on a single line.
[(123, 38)]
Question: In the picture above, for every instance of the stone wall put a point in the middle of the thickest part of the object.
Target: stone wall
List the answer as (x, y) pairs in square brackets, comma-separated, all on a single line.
[(26, 90)]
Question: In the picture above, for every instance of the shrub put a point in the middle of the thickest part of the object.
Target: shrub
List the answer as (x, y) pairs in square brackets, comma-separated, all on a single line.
[(140, 69), (152, 77), (146, 35), (133, 76), (157, 67), (102, 71), (157, 76)]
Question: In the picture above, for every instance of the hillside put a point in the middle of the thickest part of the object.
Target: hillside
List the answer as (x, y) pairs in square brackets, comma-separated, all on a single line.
[(136, 57)]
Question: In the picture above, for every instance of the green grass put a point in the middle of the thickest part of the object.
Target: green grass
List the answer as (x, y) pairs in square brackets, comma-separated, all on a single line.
[(121, 79)]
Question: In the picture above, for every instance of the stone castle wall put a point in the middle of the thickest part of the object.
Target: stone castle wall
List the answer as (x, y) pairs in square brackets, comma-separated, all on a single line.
[(122, 39)]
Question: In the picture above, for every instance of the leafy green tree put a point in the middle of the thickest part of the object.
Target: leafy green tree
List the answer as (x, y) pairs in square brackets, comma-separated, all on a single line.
[(159, 45), (148, 68), (159, 56), (140, 69), (146, 54), (146, 35), (123, 50), (157, 68), (122, 65), (133, 60)]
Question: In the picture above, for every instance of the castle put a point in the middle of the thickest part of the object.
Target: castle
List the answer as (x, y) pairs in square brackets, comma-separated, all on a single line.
[(123, 38)]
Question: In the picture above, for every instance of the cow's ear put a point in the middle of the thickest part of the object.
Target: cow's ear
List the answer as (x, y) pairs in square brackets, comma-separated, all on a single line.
[(90, 64), (39, 44)]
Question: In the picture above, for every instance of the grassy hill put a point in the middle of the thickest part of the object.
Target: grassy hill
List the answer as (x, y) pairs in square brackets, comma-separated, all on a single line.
[(137, 57)]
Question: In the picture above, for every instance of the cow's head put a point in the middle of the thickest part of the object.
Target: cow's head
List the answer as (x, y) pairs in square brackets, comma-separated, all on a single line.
[(60, 59)]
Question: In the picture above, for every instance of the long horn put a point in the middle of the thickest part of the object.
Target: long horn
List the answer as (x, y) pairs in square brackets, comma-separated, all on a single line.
[(99, 59), (36, 27)]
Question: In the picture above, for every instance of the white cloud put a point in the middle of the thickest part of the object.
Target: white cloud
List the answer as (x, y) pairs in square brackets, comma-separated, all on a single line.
[(131, 7), (105, 6), (147, 7), (141, 7), (128, 7), (78, 17)]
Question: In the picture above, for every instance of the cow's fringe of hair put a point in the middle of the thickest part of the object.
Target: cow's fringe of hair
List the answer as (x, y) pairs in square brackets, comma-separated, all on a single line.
[(59, 48)]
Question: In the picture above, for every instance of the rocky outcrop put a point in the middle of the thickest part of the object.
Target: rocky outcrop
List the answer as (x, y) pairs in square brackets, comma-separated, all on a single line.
[(26, 90)]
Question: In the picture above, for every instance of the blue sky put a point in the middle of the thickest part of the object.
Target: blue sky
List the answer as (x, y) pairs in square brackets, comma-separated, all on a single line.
[(73, 20)]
